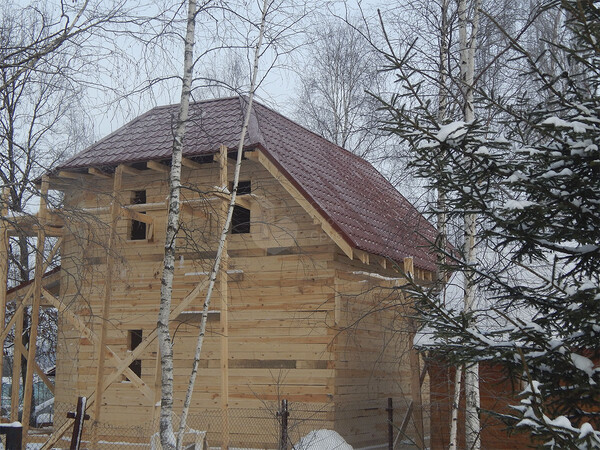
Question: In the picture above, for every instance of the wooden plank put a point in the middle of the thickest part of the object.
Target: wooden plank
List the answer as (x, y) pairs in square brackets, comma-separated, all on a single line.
[(73, 175), (4, 248), (186, 162), (140, 217), (114, 213), (35, 309), (222, 278), (36, 368), (16, 372), (130, 171), (19, 309), (259, 157), (158, 167), (99, 173)]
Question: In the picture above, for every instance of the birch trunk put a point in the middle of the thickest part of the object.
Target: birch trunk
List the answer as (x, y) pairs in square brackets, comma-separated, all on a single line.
[(167, 435), (454, 415), (222, 239), (467, 69)]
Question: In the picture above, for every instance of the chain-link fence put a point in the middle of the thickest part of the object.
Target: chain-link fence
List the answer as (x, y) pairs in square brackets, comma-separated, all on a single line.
[(276, 425)]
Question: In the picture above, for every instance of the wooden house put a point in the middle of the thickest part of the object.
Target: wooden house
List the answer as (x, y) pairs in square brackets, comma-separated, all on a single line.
[(306, 306)]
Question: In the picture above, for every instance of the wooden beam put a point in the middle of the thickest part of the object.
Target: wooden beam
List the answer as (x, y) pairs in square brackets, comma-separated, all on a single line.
[(186, 162), (126, 362), (409, 267), (158, 167), (73, 175), (35, 309), (140, 217), (260, 157), (4, 248), (362, 256), (21, 304), (80, 326), (16, 372), (36, 368), (99, 173), (222, 278), (130, 171), (105, 315), (415, 369), (240, 200)]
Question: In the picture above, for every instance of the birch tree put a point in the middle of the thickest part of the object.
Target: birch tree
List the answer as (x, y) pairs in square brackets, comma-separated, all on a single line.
[(167, 435), (468, 45), (335, 82), (227, 224)]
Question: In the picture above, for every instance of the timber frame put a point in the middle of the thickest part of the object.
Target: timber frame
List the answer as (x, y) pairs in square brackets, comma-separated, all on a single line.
[(113, 364)]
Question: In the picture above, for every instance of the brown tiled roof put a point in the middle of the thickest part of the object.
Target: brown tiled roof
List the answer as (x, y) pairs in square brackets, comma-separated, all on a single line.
[(351, 194)]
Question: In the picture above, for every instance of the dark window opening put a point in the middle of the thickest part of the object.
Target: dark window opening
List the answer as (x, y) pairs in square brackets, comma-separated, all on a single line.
[(138, 229), (244, 187), (134, 338), (240, 221)]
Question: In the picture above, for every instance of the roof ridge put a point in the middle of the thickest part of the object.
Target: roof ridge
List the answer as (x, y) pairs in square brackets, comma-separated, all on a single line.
[(254, 133), (354, 155)]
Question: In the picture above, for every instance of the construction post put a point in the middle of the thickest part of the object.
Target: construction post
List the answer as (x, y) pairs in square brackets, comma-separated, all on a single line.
[(222, 277), (3, 275), (105, 316), (415, 371), (35, 307)]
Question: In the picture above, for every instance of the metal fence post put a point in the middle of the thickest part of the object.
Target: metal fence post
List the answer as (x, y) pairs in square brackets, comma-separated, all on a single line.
[(390, 411), (79, 417), (284, 414), (14, 435)]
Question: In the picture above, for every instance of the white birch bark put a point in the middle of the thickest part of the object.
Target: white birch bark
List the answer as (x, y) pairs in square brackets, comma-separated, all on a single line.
[(224, 232), (167, 435), (455, 403), (467, 69)]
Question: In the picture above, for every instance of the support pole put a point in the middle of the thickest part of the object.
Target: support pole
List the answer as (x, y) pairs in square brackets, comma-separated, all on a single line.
[(3, 274), (16, 369), (35, 308), (101, 349), (390, 411), (224, 320), (415, 372)]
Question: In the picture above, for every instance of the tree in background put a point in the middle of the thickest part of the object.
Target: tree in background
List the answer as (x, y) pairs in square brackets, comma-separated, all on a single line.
[(533, 179), (334, 101)]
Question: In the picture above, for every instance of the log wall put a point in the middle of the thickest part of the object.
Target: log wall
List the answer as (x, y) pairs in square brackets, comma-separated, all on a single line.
[(293, 302)]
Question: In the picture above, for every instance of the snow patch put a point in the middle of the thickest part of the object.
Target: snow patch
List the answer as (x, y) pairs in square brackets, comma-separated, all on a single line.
[(577, 127), (452, 130), (322, 440), (517, 204)]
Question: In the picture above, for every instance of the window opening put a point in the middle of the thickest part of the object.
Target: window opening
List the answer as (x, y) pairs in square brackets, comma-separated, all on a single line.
[(244, 187), (138, 229), (240, 221), (134, 339)]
